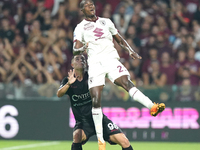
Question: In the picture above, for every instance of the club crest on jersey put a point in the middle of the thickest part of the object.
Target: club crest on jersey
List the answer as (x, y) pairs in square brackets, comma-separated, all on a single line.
[(102, 22), (88, 26)]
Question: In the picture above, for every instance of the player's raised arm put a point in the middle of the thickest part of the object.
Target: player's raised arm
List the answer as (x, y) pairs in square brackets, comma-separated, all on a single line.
[(66, 83), (122, 42), (79, 47)]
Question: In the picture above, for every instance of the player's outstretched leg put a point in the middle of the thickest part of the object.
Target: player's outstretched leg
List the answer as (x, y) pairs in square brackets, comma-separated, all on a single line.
[(157, 108), (137, 95)]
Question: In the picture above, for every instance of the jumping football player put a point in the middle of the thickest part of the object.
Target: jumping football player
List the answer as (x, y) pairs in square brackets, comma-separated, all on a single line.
[(95, 35)]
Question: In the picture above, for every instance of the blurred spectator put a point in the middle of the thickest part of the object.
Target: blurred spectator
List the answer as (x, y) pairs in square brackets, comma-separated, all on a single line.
[(153, 56), (17, 43), (45, 3), (99, 4), (132, 34), (193, 66), (180, 41), (163, 28), (55, 33), (168, 68), (49, 88), (196, 32), (185, 92), (121, 19), (144, 33), (155, 77), (179, 63), (35, 30), (19, 13), (139, 11), (197, 14), (6, 13), (63, 50), (47, 20), (38, 9), (135, 67), (180, 13), (113, 4), (107, 10), (24, 25), (6, 31), (162, 45), (174, 37), (136, 21), (190, 41)]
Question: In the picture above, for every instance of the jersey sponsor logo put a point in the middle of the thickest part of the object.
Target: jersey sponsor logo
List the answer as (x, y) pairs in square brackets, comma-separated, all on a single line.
[(81, 96), (81, 104), (102, 22), (98, 32), (88, 26)]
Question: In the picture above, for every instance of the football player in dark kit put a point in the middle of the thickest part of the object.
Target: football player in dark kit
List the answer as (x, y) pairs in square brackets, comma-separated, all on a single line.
[(76, 86)]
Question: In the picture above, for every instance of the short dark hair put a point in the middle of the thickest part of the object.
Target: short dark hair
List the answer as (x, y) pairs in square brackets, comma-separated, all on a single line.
[(75, 56), (82, 3)]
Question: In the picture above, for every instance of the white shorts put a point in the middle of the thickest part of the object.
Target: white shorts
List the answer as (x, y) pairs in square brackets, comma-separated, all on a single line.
[(98, 71)]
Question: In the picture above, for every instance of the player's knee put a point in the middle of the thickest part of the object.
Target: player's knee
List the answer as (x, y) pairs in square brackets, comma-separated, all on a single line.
[(96, 96), (77, 136), (96, 104), (127, 84)]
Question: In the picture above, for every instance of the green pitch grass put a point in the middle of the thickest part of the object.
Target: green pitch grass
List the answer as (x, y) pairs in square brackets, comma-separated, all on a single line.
[(66, 145)]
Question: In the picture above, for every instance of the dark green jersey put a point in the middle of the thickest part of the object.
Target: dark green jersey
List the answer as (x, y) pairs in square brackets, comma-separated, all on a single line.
[(80, 98)]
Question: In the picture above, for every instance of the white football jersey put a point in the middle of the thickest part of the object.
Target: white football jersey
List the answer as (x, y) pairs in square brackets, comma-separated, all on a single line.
[(98, 35)]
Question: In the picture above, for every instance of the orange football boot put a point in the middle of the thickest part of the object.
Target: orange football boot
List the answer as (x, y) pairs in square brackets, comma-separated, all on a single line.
[(102, 146), (157, 108)]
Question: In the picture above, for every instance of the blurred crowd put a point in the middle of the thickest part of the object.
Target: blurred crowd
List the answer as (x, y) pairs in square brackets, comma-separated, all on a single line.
[(36, 40)]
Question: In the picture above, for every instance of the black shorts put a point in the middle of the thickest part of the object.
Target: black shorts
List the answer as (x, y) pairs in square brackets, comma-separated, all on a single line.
[(109, 128)]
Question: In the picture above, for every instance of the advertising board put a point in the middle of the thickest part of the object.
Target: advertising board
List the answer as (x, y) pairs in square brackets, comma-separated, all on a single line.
[(48, 120)]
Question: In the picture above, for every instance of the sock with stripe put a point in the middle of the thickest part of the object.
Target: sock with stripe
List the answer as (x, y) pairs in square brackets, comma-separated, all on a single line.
[(138, 96), (98, 117)]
